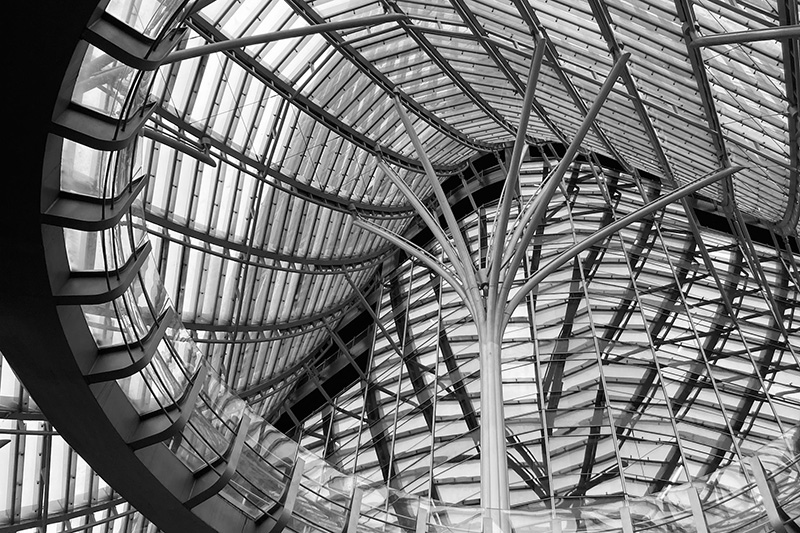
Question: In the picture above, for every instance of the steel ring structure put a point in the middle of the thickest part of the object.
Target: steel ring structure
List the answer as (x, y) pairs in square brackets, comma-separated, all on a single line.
[(386, 265)]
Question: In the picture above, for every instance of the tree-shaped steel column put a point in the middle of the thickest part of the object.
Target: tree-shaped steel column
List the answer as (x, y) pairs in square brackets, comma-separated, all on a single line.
[(487, 291)]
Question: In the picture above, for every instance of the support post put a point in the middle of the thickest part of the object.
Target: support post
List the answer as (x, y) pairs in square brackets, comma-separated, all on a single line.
[(354, 513), (422, 518), (278, 516)]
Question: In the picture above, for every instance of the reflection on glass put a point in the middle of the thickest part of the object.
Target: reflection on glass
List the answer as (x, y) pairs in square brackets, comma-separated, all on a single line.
[(148, 17), (97, 173), (105, 84)]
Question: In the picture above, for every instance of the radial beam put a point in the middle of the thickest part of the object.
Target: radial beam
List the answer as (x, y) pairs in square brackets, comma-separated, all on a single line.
[(328, 265), (685, 13), (503, 64), (419, 35), (304, 103), (606, 25), (261, 171), (264, 38), (528, 14)]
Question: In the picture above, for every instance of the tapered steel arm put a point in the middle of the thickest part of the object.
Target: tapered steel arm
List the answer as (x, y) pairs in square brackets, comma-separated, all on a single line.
[(416, 252), (425, 215), (533, 214), (470, 279), (512, 179), (612, 228), (750, 36)]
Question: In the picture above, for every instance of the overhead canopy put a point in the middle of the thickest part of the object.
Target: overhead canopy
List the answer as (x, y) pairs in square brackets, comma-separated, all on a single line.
[(678, 337)]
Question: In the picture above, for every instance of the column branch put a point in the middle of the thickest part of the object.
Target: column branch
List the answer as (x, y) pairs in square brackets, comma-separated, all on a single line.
[(425, 215), (533, 214), (603, 233)]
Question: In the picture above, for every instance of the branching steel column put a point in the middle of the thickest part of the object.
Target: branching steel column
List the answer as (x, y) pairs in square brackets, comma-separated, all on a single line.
[(487, 301), (515, 248), (471, 418)]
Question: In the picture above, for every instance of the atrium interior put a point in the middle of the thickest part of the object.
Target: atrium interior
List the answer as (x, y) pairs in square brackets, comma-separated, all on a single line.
[(452, 266)]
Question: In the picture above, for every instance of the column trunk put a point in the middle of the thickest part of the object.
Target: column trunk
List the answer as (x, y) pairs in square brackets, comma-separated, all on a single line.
[(494, 465)]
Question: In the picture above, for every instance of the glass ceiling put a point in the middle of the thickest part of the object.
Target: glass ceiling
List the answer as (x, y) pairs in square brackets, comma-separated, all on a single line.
[(671, 348)]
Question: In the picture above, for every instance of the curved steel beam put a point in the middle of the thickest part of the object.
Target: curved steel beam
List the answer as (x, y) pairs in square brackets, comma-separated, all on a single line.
[(686, 16), (293, 186), (378, 78), (286, 91), (603, 19), (492, 50), (341, 262)]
